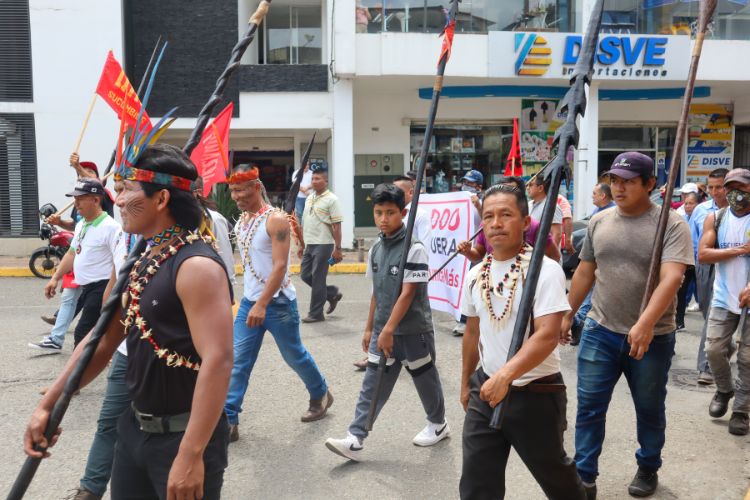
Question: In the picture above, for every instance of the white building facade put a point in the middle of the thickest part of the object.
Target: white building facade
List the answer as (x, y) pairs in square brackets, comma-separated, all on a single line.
[(362, 81)]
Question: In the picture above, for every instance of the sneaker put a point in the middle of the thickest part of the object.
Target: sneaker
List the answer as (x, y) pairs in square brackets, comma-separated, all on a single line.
[(47, 345), (234, 433), (458, 330), (693, 308), (82, 494), (719, 404), (681, 327), (590, 489), (318, 408), (705, 378), (350, 447), (432, 434), (644, 483), (739, 424), (312, 319)]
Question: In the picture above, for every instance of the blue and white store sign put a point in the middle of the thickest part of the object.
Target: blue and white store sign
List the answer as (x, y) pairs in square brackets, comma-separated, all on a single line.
[(619, 57)]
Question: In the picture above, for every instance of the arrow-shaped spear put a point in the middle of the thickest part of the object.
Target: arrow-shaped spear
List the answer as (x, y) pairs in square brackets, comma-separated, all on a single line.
[(30, 466), (565, 136), (445, 53)]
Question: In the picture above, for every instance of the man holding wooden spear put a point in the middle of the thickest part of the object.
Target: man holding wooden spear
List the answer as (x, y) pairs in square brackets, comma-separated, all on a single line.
[(618, 339)]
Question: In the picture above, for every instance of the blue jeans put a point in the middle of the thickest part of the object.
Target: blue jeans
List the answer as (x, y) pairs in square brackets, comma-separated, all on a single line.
[(583, 311), (282, 320), (299, 208), (102, 452), (65, 314), (602, 358)]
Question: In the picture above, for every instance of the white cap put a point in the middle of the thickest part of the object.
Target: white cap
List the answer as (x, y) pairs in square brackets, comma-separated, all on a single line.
[(689, 187)]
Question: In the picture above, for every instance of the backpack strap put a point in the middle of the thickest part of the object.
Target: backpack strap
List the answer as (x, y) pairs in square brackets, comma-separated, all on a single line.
[(718, 218)]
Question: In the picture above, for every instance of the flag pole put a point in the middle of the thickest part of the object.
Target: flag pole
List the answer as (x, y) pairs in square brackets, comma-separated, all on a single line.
[(85, 123)]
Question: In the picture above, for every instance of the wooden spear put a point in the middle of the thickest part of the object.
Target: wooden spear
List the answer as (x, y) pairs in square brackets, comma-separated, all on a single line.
[(706, 13)]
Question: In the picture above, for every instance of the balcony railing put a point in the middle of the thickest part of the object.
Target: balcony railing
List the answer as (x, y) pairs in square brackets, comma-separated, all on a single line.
[(658, 17)]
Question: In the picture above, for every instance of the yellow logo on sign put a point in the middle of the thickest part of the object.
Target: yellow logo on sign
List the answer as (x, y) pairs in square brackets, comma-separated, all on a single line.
[(533, 56)]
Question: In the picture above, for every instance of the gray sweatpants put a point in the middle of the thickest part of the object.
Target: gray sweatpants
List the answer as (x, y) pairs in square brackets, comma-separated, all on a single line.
[(417, 354), (721, 327), (313, 271)]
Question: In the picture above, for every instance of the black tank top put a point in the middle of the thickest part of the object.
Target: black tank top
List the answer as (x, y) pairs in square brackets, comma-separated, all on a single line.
[(154, 387)]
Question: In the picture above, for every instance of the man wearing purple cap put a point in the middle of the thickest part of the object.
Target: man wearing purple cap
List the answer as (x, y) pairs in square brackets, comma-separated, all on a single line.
[(730, 293), (618, 339)]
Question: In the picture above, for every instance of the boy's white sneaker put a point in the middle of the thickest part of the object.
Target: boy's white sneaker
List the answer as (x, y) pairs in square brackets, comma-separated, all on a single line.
[(432, 434), (349, 447)]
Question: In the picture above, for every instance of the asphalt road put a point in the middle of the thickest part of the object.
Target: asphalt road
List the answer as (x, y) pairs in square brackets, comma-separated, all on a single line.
[(279, 457)]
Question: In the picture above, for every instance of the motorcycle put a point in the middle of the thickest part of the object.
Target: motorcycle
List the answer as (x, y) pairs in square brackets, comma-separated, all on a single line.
[(45, 259)]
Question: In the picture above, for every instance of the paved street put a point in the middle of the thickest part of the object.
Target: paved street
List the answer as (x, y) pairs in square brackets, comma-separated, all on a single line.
[(279, 457)]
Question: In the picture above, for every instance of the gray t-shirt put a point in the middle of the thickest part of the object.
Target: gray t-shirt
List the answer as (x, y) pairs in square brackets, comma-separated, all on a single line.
[(621, 248), (536, 209)]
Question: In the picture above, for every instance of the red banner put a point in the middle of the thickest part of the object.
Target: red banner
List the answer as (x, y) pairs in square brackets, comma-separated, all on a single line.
[(116, 90), (514, 165), (211, 155)]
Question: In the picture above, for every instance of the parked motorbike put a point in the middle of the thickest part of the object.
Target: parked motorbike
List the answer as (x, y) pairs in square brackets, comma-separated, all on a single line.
[(45, 259)]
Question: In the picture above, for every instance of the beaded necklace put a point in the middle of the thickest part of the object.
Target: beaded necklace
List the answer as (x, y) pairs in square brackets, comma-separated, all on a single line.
[(248, 228), (138, 282), (509, 282), (165, 235)]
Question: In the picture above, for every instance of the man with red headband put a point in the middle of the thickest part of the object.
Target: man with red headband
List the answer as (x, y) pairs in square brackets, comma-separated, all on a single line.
[(269, 301)]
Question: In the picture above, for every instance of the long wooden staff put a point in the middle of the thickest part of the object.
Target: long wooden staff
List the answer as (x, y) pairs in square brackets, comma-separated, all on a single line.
[(85, 123), (112, 304), (706, 13), (565, 136), (436, 90)]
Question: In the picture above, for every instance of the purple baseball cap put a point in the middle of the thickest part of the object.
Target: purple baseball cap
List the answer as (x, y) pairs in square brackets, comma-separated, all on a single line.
[(741, 175), (631, 164)]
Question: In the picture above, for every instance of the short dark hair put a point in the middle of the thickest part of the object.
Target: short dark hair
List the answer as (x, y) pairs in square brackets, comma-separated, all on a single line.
[(169, 159), (523, 205), (388, 193), (540, 180), (515, 180), (604, 188), (718, 173)]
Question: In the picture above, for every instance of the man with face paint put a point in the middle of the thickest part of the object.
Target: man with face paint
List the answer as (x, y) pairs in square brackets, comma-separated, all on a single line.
[(730, 282)]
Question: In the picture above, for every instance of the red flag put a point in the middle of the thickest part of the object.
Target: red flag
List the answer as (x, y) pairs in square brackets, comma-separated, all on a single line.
[(514, 166), (116, 90), (448, 32), (211, 155)]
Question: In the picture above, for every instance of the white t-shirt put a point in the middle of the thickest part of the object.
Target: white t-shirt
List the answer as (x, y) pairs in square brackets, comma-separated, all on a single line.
[(221, 232), (422, 226), (305, 183), (536, 209), (121, 254), (493, 343), (94, 244)]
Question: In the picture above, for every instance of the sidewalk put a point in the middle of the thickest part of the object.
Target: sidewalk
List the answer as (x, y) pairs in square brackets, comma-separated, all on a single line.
[(18, 267)]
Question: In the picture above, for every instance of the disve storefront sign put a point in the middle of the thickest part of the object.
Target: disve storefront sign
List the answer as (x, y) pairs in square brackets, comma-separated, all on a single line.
[(618, 57)]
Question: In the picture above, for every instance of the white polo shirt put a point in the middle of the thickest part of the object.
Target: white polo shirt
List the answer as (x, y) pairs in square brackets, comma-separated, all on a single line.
[(494, 342), (95, 244)]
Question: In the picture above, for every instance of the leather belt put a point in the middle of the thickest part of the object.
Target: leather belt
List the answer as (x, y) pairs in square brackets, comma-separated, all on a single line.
[(550, 383), (161, 424)]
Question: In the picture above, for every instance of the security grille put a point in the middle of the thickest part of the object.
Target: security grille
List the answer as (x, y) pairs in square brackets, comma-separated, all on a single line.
[(15, 51), (19, 200)]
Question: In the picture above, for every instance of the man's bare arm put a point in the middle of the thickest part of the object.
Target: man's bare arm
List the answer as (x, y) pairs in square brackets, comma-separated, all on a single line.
[(707, 254)]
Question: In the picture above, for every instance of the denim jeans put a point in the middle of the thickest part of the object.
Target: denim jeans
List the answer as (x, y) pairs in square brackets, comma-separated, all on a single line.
[(102, 452), (583, 311), (602, 358), (299, 208), (282, 320), (65, 314)]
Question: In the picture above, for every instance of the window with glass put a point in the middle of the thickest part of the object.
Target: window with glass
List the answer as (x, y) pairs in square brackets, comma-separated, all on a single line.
[(456, 149), (675, 17), (474, 16), (655, 141), (292, 34)]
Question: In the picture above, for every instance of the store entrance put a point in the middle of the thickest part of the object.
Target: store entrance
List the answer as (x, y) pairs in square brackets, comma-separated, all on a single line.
[(656, 141)]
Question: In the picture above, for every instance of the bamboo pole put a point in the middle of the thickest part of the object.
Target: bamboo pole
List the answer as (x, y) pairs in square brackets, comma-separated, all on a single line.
[(85, 123)]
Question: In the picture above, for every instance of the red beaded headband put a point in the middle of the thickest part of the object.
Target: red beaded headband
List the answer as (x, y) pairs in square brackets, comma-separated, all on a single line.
[(137, 174)]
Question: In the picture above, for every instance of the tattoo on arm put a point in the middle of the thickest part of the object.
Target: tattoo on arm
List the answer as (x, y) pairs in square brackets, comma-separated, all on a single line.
[(282, 235)]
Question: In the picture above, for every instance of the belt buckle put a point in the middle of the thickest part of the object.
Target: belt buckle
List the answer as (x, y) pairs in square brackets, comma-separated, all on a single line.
[(149, 423)]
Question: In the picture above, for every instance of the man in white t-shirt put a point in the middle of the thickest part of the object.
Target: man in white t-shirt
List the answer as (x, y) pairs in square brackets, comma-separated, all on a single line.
[(305, 187), (422, 230), (91, 257), (535, 415)]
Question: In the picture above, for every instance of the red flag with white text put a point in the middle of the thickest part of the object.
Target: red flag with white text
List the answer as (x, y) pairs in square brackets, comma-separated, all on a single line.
[(211, 155)]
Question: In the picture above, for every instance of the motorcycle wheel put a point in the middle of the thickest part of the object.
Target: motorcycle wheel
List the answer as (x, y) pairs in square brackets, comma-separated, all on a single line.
[(43, 262)]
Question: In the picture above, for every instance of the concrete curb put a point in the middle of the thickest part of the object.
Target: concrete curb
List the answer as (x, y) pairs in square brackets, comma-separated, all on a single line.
[(343, 268)]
